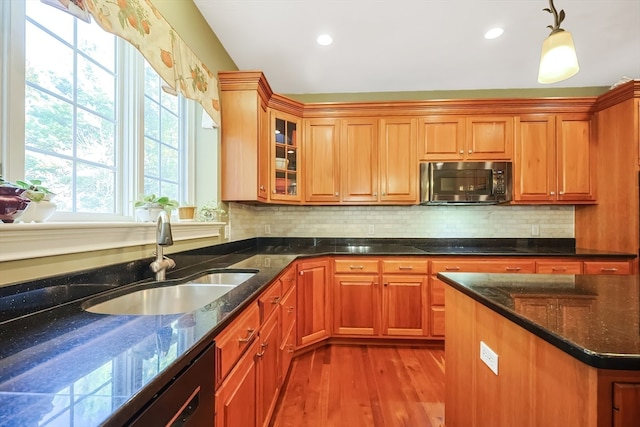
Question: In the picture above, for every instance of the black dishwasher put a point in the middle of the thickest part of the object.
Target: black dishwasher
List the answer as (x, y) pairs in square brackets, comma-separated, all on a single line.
[(188, 401)]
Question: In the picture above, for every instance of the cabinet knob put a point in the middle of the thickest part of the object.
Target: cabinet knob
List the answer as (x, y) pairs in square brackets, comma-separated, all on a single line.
[(262, 188), (375, 193), (302, 273), (461, 151), (470, 151), (337, 194), (561, 193), (552, 193)]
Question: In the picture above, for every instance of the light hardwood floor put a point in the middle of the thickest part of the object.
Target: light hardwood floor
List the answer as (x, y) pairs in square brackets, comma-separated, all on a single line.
[(353, 386)]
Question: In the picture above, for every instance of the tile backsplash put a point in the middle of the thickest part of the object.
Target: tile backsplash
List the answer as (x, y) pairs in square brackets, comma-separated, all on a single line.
[(249, 221)]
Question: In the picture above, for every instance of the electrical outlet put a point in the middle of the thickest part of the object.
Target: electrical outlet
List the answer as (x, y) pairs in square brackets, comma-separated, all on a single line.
[(267, 229), (535, 230), (227, 232), (372, 230), (489, 357)]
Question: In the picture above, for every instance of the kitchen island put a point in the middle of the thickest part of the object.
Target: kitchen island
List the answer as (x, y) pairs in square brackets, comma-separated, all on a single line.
[(542, 350)]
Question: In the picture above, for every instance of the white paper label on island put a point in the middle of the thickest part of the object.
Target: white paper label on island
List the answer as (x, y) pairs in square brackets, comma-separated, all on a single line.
[(489, 357)]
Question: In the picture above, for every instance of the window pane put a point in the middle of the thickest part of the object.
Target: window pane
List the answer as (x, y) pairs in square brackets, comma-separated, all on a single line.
[(151, 82), (151, 158), (95, 190), (97, 44), (48, 123), (95, 139), (169, 128), (151, 119), (57, 21), (169, 163), (96, 88), (56, 174), (49, 63)]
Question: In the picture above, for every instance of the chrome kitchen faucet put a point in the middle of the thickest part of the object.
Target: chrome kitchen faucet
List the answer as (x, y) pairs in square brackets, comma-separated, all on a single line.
[(163, 238)]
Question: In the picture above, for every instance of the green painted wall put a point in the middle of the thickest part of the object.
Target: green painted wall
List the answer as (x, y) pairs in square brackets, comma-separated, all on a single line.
[(186, 19)]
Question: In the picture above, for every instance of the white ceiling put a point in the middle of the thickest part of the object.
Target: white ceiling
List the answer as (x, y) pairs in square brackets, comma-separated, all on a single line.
[(421, 45)]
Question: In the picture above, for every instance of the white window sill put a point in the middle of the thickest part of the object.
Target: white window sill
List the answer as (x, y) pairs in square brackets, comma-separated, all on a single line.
[(23, 241)]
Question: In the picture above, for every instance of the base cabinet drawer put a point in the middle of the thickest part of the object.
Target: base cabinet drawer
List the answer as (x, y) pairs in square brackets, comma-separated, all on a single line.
[(235, 339), (603, 267)]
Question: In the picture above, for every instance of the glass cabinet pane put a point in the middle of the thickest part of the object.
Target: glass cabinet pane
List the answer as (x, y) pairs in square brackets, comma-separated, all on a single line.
[(286, 158)]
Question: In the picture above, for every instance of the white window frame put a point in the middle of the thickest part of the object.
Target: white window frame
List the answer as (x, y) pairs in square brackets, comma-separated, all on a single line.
[(78, 232)]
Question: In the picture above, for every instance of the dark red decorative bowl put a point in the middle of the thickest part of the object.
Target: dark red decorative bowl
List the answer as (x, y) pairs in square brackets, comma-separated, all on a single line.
[(12, 204)]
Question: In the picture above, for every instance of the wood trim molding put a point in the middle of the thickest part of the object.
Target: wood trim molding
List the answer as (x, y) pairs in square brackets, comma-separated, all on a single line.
[(621, 93), (246, 80)]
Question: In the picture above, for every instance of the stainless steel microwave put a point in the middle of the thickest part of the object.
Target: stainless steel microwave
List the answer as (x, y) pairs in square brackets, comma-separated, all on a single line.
[(465, 183)]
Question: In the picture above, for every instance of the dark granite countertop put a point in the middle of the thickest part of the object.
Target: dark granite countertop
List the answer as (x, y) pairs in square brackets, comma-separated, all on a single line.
[(58, 361), (606, 336)]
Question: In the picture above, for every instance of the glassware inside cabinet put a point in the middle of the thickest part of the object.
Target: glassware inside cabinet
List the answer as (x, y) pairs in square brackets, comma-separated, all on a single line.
[(286, 157)]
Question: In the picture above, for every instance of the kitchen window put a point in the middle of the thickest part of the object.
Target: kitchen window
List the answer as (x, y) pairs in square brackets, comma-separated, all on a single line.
[(100, 128)]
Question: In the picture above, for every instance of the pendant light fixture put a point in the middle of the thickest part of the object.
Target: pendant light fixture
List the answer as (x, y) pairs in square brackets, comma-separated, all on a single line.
[(558, 60)]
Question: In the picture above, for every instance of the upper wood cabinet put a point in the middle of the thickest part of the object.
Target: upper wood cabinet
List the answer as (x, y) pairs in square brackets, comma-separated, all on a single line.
[(245, 145), (456, 138), (554, 159), (359, 160), (398, 160), (284, 162), (321, 156)]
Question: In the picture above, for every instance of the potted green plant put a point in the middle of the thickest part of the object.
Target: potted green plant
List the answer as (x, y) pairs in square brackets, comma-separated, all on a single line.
[(41, 207), (149, 206)]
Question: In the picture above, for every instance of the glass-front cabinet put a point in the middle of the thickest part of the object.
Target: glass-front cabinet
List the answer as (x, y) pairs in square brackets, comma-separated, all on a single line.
[(285, 166)]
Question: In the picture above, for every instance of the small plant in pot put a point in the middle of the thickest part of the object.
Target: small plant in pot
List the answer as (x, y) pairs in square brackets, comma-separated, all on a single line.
[(148, 208), (41, 207)]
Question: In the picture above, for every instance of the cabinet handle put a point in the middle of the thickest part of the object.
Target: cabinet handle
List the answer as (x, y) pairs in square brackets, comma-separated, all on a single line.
[(302, 273), (290, 309), (356, 267), (386, 284), (405, 267), (275, 300), (513, 269), (186, 410), (608, 269), (452, 268), (559, 269), (264, 348), (290, 348), (250, 336)]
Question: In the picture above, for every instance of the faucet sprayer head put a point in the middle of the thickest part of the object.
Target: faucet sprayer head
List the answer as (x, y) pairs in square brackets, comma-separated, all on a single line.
[(163, 230)]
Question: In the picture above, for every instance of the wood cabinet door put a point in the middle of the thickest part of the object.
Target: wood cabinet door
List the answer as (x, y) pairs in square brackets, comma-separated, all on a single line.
[(534, 171), (626, 404), (314, 301), (264, 153), (356, 304), (404, 305), (235, 401), (240, 138), (284, 138), (489, 138), (441, 138), (321, 157), (575, 158), (398, 161), (268, 368), (359, 160)]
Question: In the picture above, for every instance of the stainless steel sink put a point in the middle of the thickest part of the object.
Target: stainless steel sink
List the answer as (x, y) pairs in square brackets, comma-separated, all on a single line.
[(182, 297)]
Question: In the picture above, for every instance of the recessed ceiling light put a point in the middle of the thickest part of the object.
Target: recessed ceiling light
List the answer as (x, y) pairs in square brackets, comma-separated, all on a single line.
[(324, 39), (493, 33)]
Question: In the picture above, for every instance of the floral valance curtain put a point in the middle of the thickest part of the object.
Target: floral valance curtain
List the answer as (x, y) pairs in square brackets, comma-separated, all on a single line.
[(142, 25)]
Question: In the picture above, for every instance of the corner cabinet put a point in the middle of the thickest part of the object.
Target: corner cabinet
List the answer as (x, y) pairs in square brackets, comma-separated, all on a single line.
[(314, 301), (554, 159), (285, 157), (244, 133)]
